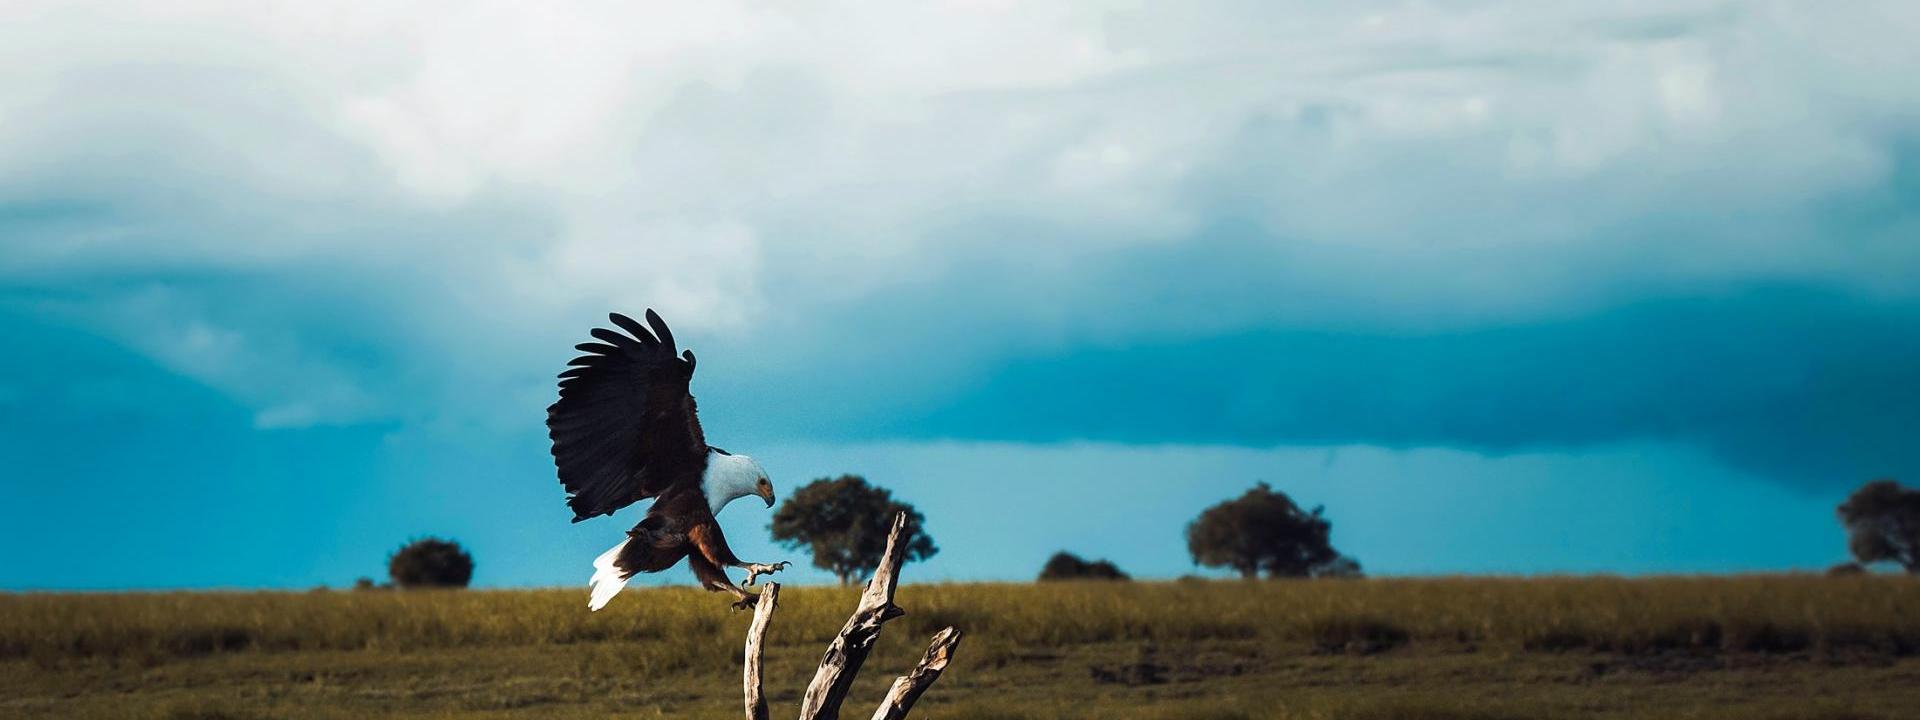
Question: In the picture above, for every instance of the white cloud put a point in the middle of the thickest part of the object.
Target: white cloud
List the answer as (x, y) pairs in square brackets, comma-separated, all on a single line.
[(270, 368), (741, 165)]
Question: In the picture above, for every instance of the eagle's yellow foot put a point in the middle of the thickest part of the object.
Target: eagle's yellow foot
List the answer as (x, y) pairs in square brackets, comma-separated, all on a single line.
[(755, 570)]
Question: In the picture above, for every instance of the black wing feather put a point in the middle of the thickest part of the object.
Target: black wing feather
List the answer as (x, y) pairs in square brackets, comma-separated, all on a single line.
[(634, 328), (660, 329), (625, 427), (626, 344)]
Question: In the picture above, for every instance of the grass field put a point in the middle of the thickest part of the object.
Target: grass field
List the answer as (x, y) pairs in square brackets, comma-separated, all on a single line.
[(1744, 647)]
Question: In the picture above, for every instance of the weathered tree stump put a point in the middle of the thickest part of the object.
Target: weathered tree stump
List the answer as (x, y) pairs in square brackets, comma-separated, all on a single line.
[(850, 647)]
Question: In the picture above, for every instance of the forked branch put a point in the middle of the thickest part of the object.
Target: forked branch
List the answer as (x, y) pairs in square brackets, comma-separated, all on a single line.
[(850, 647)]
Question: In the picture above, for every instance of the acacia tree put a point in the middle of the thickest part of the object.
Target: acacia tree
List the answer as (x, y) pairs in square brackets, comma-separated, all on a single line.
[(430, 562), (843, 522), (1264, 531), (1883, 524), (1068, 566)]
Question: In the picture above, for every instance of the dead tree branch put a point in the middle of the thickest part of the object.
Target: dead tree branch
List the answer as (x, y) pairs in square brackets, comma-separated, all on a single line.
[(907, 688), (850, 648), (756, 643)]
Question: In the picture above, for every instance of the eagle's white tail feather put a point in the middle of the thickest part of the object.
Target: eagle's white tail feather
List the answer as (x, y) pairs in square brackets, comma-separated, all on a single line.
[(607, 580)]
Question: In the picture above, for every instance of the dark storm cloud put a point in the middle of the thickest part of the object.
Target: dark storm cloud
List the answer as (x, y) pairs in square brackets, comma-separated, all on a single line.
[(1801, 385)]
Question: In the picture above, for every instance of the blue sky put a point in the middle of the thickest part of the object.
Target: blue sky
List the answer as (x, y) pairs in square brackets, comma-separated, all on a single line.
[(1509, 288)]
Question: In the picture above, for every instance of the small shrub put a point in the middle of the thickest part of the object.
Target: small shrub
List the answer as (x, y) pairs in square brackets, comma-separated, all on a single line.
[(1068, 566), (430, 562)]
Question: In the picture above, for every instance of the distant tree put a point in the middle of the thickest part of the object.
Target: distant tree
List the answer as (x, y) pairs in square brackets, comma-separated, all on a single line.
[(430, 562), (1342, 568), (1883, 524), (1264, 531), (1846, 569), (844, 522), (1068, 566), (365, 583)]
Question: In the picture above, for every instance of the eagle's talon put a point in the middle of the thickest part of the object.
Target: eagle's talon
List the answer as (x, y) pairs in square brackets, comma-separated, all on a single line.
[(746, 603)]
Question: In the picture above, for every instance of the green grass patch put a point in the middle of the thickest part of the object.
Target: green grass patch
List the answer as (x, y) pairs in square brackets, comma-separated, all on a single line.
[(1764, 646)]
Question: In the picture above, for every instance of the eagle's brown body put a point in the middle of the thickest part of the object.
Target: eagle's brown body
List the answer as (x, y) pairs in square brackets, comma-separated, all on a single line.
[(679, 525)]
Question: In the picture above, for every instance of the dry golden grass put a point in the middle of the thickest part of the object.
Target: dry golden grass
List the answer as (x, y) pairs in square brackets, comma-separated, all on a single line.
[(1438, 648), (1778, 614)]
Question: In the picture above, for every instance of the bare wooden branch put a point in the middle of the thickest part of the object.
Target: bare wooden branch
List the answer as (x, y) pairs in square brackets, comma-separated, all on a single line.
[(849, 649), (907, 688), (756, 643)]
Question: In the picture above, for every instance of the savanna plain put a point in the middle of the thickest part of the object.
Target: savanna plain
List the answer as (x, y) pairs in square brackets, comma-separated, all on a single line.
[(1682, 647)]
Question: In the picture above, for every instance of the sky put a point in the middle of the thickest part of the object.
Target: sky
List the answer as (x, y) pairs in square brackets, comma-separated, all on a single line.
[(1508, 288)]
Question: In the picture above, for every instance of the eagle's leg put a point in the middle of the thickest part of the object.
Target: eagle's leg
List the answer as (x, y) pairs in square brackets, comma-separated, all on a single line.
[(755, 570), (743, 600), (714, 578)]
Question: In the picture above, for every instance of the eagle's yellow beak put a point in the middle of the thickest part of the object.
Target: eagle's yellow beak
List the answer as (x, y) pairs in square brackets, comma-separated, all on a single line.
[(766, 493)]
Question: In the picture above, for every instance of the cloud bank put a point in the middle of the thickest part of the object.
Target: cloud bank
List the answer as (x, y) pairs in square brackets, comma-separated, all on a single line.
[(1402, 224)]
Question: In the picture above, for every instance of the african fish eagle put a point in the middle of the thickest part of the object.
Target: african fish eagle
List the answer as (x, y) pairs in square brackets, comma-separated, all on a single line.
[(624, 430)]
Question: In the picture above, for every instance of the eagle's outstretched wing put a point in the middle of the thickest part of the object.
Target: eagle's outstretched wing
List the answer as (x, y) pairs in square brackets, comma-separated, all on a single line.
[(625, 427)]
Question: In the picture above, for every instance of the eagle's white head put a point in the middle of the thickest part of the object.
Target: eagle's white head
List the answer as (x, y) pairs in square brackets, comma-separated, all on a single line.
[(730, 477)]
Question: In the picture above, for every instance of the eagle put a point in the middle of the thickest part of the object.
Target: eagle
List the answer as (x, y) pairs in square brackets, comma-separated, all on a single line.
[(624, 430)]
